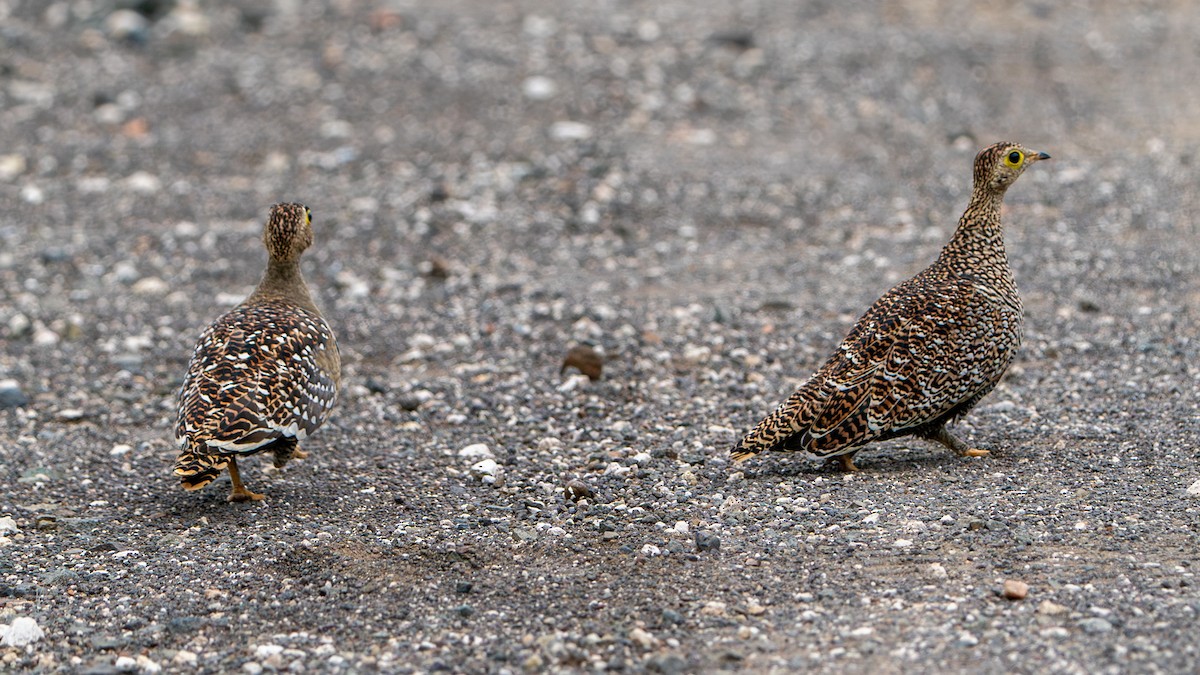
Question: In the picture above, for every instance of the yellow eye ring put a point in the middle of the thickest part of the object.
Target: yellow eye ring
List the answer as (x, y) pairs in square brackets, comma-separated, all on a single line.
[(1014, 159), (307, 215)]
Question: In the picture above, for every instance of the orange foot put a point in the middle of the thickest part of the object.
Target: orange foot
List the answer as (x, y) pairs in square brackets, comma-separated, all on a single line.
[(241, 494), (847, 462), (976, 452)]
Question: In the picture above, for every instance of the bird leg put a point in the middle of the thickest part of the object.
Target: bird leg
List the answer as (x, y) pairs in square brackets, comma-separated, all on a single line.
[(846, 462), (298, 453), (239, 493), (961, 449)]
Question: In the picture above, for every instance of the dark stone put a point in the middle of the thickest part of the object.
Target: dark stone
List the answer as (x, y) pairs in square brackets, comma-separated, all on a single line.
[(12, 397), (707, 541)]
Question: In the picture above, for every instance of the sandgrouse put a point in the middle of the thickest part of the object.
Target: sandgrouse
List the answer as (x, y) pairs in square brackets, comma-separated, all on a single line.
[(264, 375), (924, 353)]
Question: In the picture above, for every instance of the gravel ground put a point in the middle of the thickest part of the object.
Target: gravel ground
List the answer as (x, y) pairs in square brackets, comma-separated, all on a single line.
[(707, 192)]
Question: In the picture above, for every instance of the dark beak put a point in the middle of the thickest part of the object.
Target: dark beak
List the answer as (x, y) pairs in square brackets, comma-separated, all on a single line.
[(1042, 155)]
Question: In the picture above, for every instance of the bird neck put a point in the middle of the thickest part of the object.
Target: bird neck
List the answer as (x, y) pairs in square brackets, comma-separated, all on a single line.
[(283, 281), (979, 239)]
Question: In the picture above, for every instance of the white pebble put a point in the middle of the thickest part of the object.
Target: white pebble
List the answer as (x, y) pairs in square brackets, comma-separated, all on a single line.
[(23, 631), (902, 543), (476, 451), (8, 525), (1194, 490), (681, 527), (33, 194), (125, 664), (143, 183), (570, 131), (267, 651), (539, 88), (486, 467), (651, 550)]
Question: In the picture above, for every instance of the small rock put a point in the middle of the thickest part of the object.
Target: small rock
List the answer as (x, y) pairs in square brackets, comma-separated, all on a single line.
[(476, 451), (143, 182), (707, 541), (150, 286), (126, 24), (966, 639), (1193, 490), (11, 166), (577, 489), (1051, 608), (570, 131), (11, 395), (670, 616), (23, 631), (642, 638), (1095, 626), (650, 550), (1015, 590), (464, 610), (8, 526), (485, 468), (184, 658), (539, 88), (585, 359), (125, 664), (463, 587)]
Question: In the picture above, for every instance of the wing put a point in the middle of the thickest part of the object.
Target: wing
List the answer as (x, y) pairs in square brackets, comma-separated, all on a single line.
[(259, 373), (917, 354)]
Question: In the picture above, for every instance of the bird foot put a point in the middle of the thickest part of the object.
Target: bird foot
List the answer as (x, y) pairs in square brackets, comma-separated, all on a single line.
[(847, 462), (241, 494), (976, 452), (299, 454)]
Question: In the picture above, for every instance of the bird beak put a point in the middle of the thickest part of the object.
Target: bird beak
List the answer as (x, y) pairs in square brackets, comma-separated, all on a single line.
[(1041, 155)]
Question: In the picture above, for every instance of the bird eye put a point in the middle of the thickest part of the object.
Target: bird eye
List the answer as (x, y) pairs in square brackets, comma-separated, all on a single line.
[(1014, 158), (307, 215)]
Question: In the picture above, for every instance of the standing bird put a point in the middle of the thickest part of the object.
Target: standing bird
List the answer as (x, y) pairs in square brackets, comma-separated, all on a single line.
[(264, 375), (924, 353)]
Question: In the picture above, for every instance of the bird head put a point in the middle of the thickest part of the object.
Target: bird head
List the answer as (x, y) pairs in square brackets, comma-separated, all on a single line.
[(998, 165), (288, 231)]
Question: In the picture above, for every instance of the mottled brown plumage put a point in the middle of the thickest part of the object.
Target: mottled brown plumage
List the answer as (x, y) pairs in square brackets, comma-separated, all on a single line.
[(924, 353), (264, 375)]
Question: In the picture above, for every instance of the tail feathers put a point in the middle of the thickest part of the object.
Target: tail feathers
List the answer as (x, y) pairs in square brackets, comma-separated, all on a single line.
[(197, 468), (781, 430)]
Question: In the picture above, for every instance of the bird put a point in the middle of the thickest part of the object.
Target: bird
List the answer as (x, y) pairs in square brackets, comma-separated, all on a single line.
[(926, 352), (264, 375)]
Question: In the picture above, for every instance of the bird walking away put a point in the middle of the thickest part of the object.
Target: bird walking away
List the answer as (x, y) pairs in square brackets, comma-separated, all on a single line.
[(264, 375), (926, 352)]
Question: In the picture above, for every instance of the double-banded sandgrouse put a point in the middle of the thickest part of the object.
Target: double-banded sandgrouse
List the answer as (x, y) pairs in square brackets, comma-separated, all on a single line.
[(926, 352), (264, 375)]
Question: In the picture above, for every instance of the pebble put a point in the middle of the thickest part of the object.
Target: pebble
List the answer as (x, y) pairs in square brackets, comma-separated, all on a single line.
[(125, 664), (570, 131), (126, 24), (184, 658), (707, 541), (1015, 590), (539, 88), (11, 396), (966, 639), (1095, 626), (23, 631), (642, 638), (1193, 490), (476, 451), (8, 526), (11, 166), (485, 468), (577, 490)]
